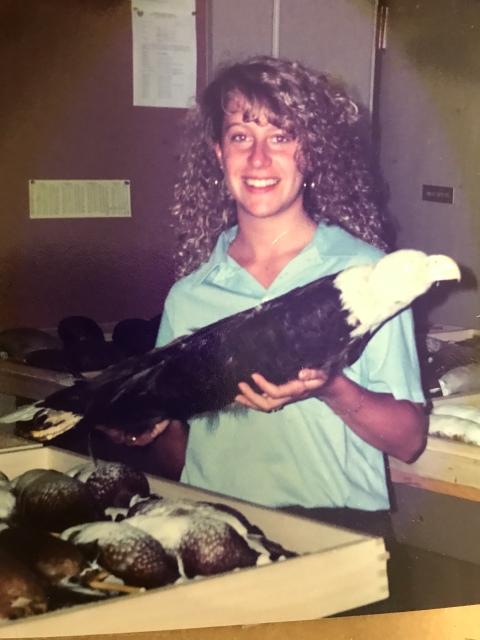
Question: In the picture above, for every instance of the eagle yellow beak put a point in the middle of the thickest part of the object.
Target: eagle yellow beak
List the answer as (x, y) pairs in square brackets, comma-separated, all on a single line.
[(443, 268)]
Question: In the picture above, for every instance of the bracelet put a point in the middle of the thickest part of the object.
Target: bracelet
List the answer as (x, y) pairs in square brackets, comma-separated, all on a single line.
[(353, 411)]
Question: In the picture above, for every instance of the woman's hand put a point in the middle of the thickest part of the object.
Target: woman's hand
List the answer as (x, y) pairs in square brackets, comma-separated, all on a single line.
[(165, 455), (120, 437), (396, 427), (274, 397)]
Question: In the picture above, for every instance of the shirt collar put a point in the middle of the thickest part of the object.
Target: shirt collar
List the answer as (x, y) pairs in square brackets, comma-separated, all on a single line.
[(331, 241), (328, 241), (218, 258)]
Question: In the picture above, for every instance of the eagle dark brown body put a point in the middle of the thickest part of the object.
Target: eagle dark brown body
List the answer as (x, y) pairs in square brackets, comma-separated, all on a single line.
[(322, 325), (200, 373)]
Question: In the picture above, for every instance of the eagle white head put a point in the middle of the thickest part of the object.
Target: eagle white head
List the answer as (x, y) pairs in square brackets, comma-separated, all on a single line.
[(372, 293)]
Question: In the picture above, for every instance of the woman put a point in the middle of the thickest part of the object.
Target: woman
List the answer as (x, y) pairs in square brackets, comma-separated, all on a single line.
[(274, 192)]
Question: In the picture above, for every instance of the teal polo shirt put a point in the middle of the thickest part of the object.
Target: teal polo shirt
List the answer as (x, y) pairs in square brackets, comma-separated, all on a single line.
[(304, 454)]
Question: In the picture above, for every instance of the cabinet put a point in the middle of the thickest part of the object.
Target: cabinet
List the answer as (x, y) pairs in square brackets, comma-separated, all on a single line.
[(335, 37)]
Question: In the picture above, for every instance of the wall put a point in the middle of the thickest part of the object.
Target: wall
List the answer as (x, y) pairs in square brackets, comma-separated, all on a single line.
[(239, 30), (430, 134), (66, 113), (336, 37)]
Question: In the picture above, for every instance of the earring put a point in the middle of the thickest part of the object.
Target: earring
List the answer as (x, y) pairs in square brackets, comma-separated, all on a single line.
[(215, 182), (311, 185)]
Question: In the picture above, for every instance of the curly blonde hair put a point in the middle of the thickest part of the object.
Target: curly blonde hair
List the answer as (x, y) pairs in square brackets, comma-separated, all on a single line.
[(339, 181)]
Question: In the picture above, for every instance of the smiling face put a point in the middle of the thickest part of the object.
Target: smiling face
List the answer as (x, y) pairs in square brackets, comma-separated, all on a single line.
[(259, 161)]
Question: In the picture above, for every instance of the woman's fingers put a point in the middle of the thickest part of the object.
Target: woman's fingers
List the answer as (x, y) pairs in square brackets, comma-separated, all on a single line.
[(308, 380), (260, 402), (313, 376), (149, 436), (140, 440), (115, 435), (274, 396)]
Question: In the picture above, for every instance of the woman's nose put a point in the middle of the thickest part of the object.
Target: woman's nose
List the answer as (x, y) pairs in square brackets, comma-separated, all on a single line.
[(260, 154)]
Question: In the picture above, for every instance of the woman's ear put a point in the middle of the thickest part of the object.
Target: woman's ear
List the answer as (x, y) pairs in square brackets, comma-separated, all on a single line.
[(218, 151)]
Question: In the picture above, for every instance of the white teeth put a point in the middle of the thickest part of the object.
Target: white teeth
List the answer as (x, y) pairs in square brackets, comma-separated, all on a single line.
[(266, 182)]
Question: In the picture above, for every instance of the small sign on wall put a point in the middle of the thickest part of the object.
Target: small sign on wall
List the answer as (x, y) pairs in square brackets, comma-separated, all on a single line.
[(433, 193), (80, 199)]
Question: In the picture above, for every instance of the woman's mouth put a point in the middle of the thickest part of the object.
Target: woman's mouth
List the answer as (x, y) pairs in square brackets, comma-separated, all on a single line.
[(261, 183)]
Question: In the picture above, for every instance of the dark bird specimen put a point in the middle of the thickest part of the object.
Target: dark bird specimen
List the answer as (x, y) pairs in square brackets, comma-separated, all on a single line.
[(84, 348), (135, 336), (323, 325)]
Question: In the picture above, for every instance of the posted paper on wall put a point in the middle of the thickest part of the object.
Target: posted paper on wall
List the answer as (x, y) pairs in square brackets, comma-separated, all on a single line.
[(79, 199), (164, 53)]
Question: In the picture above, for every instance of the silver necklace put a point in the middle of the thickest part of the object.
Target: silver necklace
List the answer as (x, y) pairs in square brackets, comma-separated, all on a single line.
[(278, 238)]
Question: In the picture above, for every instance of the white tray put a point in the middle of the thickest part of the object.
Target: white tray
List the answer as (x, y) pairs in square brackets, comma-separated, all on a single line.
[(342, 570), (449, 333), (448, 461)]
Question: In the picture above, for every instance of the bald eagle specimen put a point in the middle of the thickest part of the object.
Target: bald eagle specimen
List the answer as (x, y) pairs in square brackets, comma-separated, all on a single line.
[(322, 325)]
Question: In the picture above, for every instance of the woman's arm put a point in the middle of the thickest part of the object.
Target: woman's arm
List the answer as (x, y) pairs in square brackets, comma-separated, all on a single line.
[(166, 453), (396, 427), (389, 368)]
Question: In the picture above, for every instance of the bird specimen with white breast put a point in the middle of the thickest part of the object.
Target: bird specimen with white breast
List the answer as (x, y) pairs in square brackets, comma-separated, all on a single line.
[(323, 325)]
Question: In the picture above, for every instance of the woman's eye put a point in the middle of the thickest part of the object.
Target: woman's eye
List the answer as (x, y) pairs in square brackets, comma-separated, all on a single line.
[(238, 137), (280, 138)]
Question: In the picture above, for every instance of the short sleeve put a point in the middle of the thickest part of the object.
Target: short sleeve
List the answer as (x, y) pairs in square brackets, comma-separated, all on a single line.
[(165, 331), (389, 363)]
